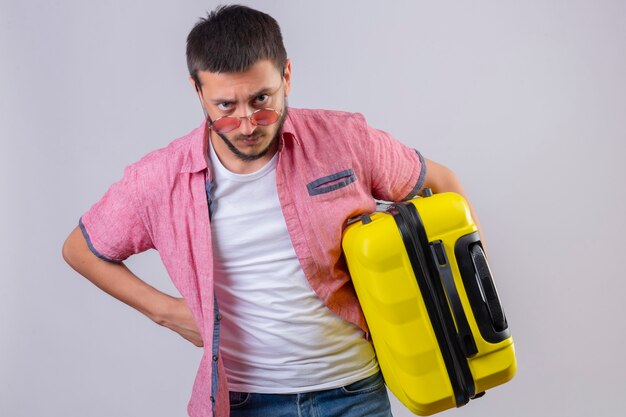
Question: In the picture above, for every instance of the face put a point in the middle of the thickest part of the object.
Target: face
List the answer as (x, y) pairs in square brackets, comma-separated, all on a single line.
[(238, 95)]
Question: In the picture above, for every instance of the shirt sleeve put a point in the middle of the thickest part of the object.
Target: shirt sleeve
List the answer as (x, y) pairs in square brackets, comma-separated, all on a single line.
[(397, 171), (113, 227)]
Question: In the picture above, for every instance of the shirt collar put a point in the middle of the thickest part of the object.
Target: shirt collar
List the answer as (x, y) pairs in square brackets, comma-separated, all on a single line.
[(196, 158), (288, 133)]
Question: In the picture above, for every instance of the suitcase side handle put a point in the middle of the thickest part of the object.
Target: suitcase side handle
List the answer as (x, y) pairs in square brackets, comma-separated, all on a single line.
[(481, 290), (488, 288)]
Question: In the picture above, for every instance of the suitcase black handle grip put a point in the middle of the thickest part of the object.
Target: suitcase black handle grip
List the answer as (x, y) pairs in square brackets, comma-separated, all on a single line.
[(488, 288), (480, 289)]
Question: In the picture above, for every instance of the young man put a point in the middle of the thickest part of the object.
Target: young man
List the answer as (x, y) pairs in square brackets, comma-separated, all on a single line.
[(247, 213)]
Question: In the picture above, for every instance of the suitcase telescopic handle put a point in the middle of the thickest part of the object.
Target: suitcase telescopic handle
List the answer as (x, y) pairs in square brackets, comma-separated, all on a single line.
[(433, 294), (464, 332)]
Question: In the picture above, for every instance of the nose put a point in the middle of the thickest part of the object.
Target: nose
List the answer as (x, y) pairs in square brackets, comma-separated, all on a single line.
[(246, 127)]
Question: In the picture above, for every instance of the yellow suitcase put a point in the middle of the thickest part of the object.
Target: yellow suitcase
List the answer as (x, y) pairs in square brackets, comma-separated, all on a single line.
[(421, 276)]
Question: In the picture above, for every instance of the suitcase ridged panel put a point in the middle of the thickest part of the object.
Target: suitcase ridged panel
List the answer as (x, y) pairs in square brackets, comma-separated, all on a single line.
[(404, 339)]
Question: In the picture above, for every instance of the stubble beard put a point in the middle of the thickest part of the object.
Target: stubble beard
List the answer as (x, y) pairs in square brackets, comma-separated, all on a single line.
[(255, 156)]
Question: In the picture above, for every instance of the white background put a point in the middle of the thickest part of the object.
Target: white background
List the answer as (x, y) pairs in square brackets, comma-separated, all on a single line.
[(525, 101)]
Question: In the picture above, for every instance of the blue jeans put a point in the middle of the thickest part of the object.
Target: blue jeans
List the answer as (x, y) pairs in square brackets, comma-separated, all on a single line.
[(367, 397)]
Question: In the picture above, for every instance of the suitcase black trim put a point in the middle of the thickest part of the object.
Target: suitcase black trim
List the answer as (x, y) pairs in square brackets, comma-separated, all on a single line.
[(464, 332), (426, 272)]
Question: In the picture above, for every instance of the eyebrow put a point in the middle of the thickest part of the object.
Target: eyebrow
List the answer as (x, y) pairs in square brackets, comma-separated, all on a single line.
[(264, 90)]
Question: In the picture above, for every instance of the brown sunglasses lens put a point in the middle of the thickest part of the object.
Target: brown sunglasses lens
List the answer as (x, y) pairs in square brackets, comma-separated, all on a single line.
[(226, 124), (263, 117)]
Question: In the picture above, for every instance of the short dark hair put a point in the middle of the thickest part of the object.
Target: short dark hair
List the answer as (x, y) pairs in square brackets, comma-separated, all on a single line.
[(233, 38)]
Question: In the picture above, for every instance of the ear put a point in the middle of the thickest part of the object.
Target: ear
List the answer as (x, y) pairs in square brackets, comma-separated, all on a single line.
[(199, 93), (287, 76), (194, 85)]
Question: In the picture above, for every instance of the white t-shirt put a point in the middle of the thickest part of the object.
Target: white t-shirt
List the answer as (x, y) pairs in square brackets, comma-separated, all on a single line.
[(276, 335)]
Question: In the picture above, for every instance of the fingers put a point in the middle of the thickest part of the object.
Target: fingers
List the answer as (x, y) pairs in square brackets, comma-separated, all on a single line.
[(181, 320), (197, 342)]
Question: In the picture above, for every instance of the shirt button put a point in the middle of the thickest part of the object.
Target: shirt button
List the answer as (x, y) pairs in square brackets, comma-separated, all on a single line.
[(212, 399), (214, 357), (219, 316)]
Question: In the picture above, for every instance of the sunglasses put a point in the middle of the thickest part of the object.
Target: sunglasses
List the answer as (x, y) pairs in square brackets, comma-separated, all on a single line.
[(260, 117)]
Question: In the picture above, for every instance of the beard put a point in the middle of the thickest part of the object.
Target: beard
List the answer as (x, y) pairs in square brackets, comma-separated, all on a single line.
[(254, 156)]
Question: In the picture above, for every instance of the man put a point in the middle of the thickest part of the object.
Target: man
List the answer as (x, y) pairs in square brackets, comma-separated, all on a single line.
[(247, 213)]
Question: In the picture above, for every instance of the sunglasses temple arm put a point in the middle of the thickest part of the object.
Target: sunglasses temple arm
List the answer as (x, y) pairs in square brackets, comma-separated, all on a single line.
[(206, 115)]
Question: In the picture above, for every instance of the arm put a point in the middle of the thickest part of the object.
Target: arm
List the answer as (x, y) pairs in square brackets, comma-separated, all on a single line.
[(118, 281), (441, 179)]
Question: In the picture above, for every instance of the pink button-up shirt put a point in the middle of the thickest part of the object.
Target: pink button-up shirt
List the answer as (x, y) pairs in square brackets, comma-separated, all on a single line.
[(331, 166)]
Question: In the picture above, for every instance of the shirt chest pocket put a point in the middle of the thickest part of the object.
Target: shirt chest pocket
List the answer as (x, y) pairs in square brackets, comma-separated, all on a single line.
[(333, 185)]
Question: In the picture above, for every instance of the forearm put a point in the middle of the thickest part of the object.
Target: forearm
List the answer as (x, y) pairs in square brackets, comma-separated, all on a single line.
[(115, 279), (441, 179)]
